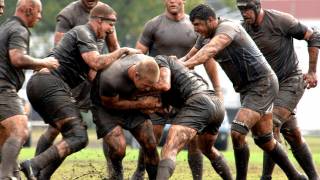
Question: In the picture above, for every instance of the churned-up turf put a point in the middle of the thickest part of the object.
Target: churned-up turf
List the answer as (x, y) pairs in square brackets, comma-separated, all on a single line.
[(90, 163)]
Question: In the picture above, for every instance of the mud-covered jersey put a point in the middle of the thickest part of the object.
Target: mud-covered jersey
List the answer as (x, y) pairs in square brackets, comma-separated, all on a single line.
[(184, 83), (73, 69), (13, 35), (241, 60), (164, 36), (115, 80), (274, 37), (74, 14)]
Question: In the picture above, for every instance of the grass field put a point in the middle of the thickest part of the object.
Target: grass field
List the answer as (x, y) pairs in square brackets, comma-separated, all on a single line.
[(90, 163)]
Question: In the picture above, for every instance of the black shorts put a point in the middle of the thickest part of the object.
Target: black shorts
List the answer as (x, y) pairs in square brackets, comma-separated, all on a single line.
[(259, 95), (107, 119), (51, 97), (82, 95), (10, 104), (291, 90), (203, 112)]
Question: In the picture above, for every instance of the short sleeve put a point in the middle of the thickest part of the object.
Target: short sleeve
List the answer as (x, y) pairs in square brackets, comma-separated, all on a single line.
[(162, 61), (86, 41), (63, 24), (201, 41), (146, 37), (228, 28), (291, 26), (19, 39)]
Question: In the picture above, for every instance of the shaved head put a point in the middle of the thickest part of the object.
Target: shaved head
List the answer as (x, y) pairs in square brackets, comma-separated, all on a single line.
[(148, 69), (101, 10), (29, 11)]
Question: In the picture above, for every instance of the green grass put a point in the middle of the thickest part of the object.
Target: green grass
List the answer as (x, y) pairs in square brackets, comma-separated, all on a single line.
[(90, 163)]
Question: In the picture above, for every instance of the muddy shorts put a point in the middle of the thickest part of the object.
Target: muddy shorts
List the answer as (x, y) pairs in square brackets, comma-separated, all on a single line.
[(10, 104), (259, 95), (106, 120), (51, 97), (291, 90), (203, 112), (82, 95)]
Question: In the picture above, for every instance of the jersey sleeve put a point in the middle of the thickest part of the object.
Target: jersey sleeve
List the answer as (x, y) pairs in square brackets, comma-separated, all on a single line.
[(200, 42), (86, 41), (146, 37), (228, 28), (63, 25), (162, 61), (291, 26), (19, 39)]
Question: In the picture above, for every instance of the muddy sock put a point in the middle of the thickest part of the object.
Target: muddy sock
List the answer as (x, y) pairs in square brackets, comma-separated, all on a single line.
[(43, 144), (152, 171), (117, 173), (268, 166), (139, 173), (195, 161), (110, 169), (304, 158), (44, 159), (16, 171), (279, 156), (165, 169), (47, 172), (241, 156), (221, 167), (10, 151)]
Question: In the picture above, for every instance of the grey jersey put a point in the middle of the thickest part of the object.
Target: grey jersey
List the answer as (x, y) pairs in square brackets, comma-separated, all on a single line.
[(274, 37), (72, 15), (241, 60), (73, 69), (14, 35), (164, 36), (115, 80)]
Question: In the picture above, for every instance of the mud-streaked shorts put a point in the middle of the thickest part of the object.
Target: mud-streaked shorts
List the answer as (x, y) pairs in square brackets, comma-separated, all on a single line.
[(10, 104), (259, 95), (291, 90), (107, 119), (51, 97), (203, 112)]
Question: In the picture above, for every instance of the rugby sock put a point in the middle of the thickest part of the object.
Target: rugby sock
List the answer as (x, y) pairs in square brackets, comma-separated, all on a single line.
[(221, 167), (165, 169), (16, 171), (196, 165), (117, 174), (241, 156), (267, 168), (9, 154), (304, 158), (152, 171), (42, 160), (105, 149), (280, 157), (43, 144), (139, 173), (48, 171)]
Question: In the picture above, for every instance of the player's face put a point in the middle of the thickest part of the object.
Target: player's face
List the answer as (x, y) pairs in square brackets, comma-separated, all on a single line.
[(174, 6), (248, 15), (107, 26), (89, 4), (33, 14), (202, 27), (2, 5)]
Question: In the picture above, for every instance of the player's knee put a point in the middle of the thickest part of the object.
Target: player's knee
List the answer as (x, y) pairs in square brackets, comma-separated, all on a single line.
[(291, 132), (262, 140), (75, 134)]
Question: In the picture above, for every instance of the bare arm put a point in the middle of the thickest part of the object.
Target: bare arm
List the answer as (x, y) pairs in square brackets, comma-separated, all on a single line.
[(142, 103), (112, 41), (164, 83), (212, 71), (57, 37), (97, 61), (21, 60), (142, 47), (311, 76), (208, 51)]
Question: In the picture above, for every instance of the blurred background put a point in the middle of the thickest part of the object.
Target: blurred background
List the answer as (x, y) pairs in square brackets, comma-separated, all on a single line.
[(133, 14)]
